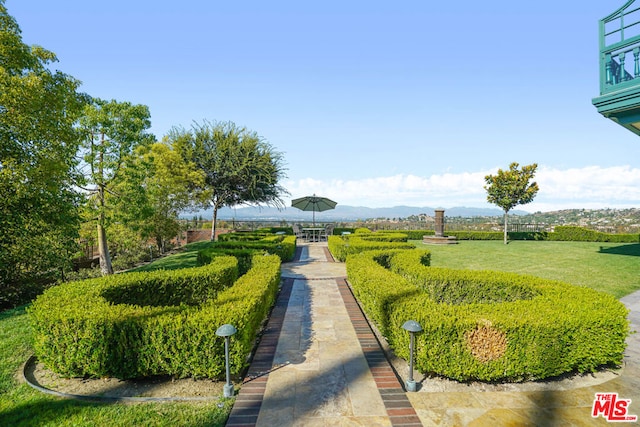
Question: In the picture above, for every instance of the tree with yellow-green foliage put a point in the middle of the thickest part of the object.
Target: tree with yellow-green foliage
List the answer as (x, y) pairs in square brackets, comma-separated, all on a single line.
[(38, 142), (112, 134), (167, 180), (510, 188)]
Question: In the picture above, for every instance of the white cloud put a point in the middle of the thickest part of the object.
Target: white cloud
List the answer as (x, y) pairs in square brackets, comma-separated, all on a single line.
[(588, 187)]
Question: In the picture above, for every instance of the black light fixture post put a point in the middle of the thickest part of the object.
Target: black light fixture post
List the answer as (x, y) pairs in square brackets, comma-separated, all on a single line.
[(412, 327), (226, 331)]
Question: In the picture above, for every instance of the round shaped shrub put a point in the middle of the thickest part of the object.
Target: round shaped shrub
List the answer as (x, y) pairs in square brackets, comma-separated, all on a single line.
[(489, 326)]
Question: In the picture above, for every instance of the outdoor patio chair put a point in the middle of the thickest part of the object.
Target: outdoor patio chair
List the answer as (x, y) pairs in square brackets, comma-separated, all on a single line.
[(299, 233), (328, 231)]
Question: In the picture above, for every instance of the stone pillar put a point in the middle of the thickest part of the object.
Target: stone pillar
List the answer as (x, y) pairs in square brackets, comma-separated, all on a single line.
[(439, 223)]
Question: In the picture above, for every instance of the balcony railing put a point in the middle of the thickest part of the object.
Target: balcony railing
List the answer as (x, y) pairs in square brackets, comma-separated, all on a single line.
[(620, 49)]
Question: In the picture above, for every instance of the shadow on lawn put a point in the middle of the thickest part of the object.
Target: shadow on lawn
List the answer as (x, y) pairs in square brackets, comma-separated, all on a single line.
[(43, 411), (47, 411), (632, 250)]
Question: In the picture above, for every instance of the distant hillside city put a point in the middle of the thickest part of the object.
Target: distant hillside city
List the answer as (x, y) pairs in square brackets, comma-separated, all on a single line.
[(607, 220)]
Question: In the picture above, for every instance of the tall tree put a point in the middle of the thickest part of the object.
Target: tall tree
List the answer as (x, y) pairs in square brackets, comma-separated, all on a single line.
[(112, 131), (38, 142), (239, 166), (167, 181), (511, 188)]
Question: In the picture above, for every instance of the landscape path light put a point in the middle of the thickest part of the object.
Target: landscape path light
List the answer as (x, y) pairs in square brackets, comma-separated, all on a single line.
[(226, 331), (413, 327)]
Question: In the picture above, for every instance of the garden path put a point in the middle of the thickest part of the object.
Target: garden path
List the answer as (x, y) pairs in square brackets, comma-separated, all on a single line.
[(320, 364)]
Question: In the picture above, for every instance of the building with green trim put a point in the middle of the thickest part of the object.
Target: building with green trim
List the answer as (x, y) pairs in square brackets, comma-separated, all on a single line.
[(619, 98)]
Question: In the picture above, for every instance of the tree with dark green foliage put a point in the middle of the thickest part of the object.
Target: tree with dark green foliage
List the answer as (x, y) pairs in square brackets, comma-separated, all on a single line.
[(38, 143), (510, 188), (239, 166), (112, 131)]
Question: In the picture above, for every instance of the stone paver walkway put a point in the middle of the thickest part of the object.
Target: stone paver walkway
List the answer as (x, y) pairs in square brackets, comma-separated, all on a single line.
[(319, 364), (327, 368)]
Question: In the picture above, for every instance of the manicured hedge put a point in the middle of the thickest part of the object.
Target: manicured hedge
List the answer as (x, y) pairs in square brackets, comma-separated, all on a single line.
[(488, 326), (282, 245), (478, 235), (560, 233), (242, 237), (418, 234), (339, 230), (383, 236), (86, 328), (244, 257), (459, 235), (342, 246), (580, 234), (274, 230)]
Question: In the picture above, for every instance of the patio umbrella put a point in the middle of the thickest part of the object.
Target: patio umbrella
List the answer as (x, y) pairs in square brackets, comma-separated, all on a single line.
[(313, 203)]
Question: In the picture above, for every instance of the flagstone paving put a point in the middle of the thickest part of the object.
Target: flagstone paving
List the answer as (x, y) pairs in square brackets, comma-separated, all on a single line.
[(563, 403), (320, 364)]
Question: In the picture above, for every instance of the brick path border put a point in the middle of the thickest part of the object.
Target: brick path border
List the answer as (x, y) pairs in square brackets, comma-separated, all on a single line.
[(249, 400), (398, 406)]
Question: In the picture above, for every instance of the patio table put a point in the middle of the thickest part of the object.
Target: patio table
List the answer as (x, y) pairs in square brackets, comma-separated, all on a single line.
[(313, 233)]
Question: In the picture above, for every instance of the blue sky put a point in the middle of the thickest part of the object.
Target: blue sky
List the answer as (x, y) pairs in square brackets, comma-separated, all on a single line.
[(372, 103)]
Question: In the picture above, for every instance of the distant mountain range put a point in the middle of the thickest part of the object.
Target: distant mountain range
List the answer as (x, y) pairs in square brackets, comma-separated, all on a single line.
[(344, 213)]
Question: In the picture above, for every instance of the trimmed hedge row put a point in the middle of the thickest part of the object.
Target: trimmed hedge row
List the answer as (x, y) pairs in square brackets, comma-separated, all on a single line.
[(244, 257), (274, 230), (342, 246), (457, 287), (383, 236), (560, 233), (339, 230), (478, 235), (580, 234), (78, 331), (543, 329), (282, 245)]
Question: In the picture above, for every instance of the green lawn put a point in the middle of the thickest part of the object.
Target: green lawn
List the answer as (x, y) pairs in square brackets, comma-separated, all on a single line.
[(187, 257), (610, 267), (613, 268), (21, 405)]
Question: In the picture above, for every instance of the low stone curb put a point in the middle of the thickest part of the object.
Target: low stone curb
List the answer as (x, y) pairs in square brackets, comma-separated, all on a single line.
[(28, 376)]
